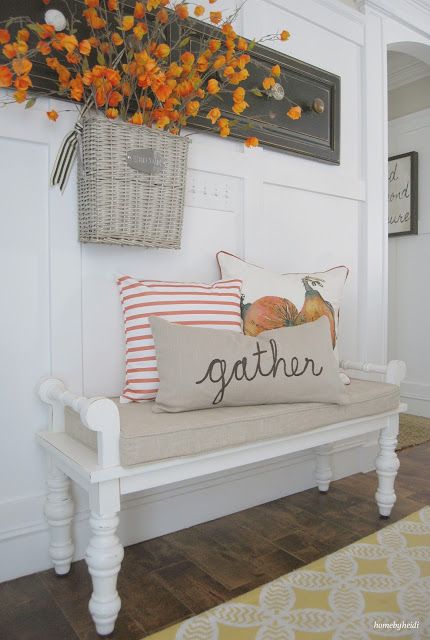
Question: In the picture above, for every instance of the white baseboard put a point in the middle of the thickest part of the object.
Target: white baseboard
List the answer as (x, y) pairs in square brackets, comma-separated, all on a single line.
[(24, 535), (417, 397)]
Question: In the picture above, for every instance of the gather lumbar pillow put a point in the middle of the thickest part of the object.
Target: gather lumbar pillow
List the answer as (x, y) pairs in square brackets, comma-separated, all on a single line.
[(216, 306), (272, 300), (201, 369)]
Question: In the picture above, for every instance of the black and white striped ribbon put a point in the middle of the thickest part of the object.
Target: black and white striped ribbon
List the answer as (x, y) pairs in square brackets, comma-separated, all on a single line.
[(66, 157), (67, 152)]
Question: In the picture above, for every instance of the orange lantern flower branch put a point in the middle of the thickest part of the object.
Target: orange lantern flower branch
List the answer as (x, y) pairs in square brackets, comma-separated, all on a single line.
[(126, 67)]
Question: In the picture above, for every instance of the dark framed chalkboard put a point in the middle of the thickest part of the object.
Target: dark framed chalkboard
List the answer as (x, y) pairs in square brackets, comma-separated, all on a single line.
[(315, 135)]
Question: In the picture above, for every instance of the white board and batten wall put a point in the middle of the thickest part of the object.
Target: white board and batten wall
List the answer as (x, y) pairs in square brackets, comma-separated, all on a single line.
[(409, 270), (61, 314)]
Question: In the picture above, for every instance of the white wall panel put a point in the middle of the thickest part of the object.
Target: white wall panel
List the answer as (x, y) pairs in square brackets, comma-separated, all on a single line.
[(305, 231), (24, 318), (301, 231)]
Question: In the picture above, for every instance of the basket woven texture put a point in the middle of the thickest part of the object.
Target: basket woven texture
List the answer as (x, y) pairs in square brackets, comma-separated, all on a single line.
[(120, 205)]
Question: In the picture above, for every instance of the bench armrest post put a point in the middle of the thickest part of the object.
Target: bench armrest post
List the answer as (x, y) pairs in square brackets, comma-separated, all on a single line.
[(394, 372), (97, 414)]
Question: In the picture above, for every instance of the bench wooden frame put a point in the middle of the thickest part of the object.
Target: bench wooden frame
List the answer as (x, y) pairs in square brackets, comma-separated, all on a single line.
[(102, 476)]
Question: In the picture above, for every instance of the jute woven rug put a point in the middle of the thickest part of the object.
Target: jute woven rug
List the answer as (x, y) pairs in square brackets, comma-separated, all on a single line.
[(374, 589), (413, 430)]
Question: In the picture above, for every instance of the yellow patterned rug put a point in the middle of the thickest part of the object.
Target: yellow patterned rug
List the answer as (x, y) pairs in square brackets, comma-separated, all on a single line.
[(373, 589)]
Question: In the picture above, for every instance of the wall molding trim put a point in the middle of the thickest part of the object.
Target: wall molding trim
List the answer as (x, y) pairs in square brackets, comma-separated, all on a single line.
[(413, 13), (261, 164), (374, 230), (350, 23), (411, 122), (417, 397), (343, 9), (407, 74)]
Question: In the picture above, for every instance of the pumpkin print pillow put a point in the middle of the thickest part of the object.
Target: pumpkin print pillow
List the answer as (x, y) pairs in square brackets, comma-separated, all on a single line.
[(271, 300)]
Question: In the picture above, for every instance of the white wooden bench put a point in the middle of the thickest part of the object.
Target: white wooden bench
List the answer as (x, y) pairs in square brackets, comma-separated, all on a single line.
[(100, 473)]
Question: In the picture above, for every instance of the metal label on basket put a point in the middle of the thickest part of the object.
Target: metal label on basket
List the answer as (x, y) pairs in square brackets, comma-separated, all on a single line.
[(145, 160)]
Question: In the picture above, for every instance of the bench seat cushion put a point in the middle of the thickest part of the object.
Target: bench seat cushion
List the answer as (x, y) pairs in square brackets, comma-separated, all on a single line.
[(148, 437)]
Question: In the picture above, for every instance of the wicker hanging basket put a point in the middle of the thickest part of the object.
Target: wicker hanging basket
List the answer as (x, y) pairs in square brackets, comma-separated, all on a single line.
[(131, 184)]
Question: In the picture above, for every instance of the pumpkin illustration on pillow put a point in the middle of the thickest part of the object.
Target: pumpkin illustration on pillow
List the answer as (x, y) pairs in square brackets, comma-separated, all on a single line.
[(315, 306), (269, 312), (274, 312)]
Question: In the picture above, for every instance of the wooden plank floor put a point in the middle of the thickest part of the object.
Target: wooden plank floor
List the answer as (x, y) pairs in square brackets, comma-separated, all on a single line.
[(168, 579)]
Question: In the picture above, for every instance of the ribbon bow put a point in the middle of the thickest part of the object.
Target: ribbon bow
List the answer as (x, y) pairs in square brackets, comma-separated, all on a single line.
[(67, 153), (66, 157)]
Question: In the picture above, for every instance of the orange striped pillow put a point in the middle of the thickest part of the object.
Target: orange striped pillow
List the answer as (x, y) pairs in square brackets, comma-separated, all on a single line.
[(215, 306)]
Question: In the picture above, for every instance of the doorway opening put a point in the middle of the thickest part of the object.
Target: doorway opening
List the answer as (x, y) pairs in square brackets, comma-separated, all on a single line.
[(408, 71)]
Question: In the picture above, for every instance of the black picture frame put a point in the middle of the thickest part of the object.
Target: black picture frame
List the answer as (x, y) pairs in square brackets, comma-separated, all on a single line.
[(316, 135), (403, 197)]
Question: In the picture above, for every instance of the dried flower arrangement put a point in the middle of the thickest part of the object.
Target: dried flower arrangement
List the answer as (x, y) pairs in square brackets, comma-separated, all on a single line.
[(140, 62)]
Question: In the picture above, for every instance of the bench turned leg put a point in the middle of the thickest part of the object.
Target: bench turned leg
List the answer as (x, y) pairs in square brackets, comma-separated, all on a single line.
[(387, 464), (59, 514), (104, 556), (323, 471)]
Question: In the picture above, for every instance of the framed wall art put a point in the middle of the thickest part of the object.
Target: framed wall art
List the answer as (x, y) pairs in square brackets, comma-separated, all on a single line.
[(403, 194)]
